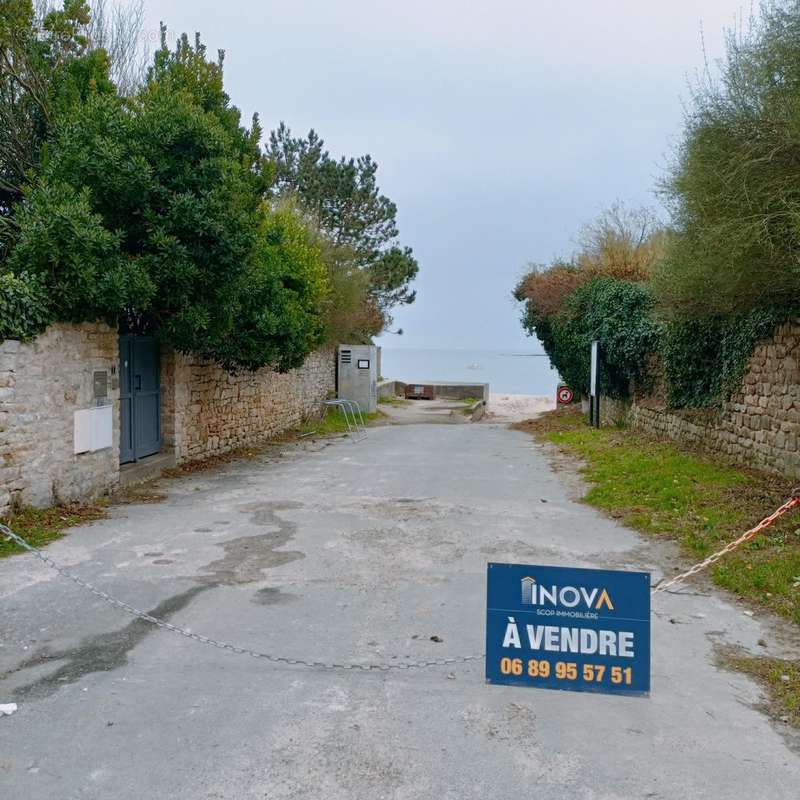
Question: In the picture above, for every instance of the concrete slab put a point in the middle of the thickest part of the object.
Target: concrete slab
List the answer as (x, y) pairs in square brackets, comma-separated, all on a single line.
[(359, 552), (421, 412)]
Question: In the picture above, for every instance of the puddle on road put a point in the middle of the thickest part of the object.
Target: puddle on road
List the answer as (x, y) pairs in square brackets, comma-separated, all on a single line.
[(246, 557), (272, 596), (101, 653), (245, 560)]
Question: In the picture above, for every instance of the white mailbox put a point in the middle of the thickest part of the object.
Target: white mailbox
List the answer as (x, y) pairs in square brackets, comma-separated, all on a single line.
[(93, 429)]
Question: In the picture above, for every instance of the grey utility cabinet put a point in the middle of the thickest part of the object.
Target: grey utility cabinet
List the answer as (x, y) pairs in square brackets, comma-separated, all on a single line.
[(357, 375)]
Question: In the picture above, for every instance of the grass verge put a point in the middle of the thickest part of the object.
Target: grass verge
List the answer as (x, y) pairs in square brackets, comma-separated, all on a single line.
[(668, 490), (40, 526), (468, 403), (665, 489), (779, 677), (394, 401), (332, 423)]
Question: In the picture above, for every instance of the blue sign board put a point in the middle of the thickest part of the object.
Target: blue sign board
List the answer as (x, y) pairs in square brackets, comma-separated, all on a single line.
[(584, 630)]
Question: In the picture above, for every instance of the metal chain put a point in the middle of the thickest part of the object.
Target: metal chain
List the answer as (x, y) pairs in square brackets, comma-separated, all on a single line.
[(244, 651), (405, 665), (731, 546)]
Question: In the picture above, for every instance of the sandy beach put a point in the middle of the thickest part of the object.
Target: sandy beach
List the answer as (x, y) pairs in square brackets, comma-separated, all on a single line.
[(516, 407)]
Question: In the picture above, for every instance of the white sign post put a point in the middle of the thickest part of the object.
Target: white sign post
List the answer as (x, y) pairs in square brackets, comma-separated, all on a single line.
[(594, 390)]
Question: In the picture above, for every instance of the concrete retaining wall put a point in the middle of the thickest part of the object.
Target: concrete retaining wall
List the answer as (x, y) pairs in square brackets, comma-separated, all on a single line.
[(447, 391)]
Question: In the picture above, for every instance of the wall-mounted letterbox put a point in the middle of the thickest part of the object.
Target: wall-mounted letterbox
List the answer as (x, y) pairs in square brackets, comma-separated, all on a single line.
[(100, 385), (93, 429)]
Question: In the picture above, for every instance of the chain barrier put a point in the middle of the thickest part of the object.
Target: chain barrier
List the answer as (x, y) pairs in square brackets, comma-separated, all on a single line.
[(403, 665), (793, 502), (244, 651)]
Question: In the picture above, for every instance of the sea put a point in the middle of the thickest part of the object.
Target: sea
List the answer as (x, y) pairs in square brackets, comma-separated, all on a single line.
[(506, 371)]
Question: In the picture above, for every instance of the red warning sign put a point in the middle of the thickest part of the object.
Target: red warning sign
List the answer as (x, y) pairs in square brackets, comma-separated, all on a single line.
[(564, 395)]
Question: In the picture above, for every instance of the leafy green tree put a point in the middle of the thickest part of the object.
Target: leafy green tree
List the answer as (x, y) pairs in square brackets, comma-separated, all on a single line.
[(279, 310), (350, 311), (152, 208), (24, 310), (44, 72), (65, 245), (344, 202), (162, 177)]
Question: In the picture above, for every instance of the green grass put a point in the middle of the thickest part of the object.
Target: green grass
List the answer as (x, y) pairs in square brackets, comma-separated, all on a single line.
[(663, 489), (667, 490), (393, 401), (40, 526), (332, 423), (780, 678), (468, 403)]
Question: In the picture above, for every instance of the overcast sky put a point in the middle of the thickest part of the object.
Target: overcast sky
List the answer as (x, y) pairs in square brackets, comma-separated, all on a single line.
[(499, 127)]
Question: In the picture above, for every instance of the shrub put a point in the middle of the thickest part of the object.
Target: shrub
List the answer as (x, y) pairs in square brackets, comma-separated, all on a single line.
[(618, 315), (734, 189), (66, 246), (278, 318), (599, 294), (23, 307), (152, 208), (350, 311), (545, 288)]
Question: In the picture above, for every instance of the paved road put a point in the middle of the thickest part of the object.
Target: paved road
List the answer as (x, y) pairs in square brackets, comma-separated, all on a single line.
[(364, 551)]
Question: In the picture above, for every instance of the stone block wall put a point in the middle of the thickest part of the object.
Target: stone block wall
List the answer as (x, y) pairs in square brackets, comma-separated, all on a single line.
[(757, 426), (42, 384), (206, 410)]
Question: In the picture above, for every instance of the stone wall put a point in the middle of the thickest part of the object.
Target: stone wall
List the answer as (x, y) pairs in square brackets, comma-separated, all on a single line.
[(758, 426), (206, 410), (42, 384)]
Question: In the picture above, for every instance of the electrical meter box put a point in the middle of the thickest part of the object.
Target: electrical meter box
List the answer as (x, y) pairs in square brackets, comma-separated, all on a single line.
[(357, 375)]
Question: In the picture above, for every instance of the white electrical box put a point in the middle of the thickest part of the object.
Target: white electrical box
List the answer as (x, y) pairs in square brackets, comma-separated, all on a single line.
[(93, 429), (357, 375)]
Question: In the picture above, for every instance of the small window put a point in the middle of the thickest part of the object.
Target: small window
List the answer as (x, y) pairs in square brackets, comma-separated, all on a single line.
[(363, 363)]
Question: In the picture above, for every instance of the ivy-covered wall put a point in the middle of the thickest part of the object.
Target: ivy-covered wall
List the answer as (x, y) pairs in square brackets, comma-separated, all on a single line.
[(758, 425)]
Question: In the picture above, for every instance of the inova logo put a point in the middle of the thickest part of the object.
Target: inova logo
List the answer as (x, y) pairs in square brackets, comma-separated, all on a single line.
[(534, 594)]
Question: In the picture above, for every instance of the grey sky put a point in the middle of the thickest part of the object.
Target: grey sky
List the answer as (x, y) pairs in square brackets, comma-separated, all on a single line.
[(499, 127)]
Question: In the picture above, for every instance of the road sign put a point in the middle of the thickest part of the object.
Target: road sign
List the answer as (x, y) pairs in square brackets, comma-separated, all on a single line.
[(583, 630), (593, 375), (564, 395)]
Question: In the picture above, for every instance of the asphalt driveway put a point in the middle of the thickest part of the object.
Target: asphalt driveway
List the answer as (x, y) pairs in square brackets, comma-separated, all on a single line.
[(336, 551)]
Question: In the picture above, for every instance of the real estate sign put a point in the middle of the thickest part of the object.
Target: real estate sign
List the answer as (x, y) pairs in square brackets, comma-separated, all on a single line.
[(584, 630)]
